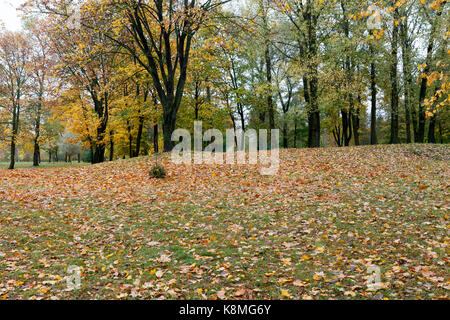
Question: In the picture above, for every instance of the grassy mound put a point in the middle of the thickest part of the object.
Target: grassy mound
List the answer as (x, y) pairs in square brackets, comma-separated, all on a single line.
[(210, 231)]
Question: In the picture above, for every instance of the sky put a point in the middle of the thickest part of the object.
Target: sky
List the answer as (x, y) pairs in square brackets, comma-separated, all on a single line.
[(8, 14)]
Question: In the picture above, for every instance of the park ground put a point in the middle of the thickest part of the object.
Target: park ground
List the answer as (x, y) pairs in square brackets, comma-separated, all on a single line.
[(226, 232)]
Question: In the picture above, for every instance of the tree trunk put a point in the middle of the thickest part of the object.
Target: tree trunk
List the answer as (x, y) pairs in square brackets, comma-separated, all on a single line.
[(36, 152), (130, 140), (432, 129), (168, 128), (139, 136), (270, 107), (111, 146), (407, 79), (356, 124), (99, 155), (423, 84), (310, 91), (347, 115), (155, 139), (337, 135), (394, 81), (314, 129), (346, 127), (13, 154), (233, 120), (373, 108), (295, 131), (285, 135), (101, 108), (15, 131), (312, 87)]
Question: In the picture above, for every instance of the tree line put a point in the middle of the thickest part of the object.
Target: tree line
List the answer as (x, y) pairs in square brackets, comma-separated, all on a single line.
[(116, 78)]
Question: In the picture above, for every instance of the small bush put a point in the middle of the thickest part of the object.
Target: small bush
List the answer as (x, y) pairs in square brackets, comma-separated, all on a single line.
[(158, 172)]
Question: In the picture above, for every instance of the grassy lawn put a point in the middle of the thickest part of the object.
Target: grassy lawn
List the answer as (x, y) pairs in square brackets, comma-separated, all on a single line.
[(27, 165), (209, 232)]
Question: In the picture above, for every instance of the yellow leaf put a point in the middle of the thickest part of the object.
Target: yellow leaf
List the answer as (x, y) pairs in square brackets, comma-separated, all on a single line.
[(286, 294)]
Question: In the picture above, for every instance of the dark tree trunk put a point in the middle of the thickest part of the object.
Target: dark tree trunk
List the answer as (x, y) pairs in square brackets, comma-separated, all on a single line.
[(346, 127), (99, 155), (101, 108), (311, 53), (432, 129), (234, 127), (286, 105), (394, 81), (139, 136), (310, 92), (130, 140), (270, 107), (285, 135), (337, 134), (414, 118), (37, 126), (168, 128), (423, 84), (295, 131), (111, 146), (13, 154), (268, 65), (36, 154), (242, 117), (314, 130), (347, 115), (156, 138), (196, 100), (373, 108), (407, 77), (356, 124), (421, 128), (15, 131)]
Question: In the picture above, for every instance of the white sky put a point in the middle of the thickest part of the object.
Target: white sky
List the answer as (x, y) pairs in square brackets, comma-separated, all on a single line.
[(8, 14)]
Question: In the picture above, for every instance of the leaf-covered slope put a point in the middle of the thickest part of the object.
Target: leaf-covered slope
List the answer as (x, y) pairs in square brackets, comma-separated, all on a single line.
[(226, 231)]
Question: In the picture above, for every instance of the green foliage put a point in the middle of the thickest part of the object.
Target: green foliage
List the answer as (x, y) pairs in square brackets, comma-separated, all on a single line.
[(158, 172)]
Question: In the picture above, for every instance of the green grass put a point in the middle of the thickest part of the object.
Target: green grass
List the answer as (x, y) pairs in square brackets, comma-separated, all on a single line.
[(28, 165)]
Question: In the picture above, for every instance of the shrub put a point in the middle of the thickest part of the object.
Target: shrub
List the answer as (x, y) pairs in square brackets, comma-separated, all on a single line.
[(158, 172)]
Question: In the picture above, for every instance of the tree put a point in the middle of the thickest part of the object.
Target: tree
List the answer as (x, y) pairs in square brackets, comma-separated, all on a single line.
[(14, 76), (304, 17), (159, 36), (434, 20), (86, 64), (40, 67)]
